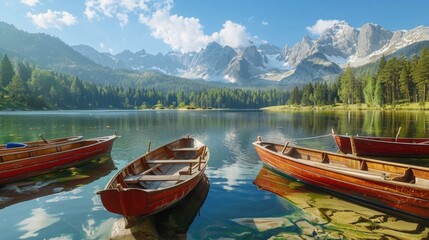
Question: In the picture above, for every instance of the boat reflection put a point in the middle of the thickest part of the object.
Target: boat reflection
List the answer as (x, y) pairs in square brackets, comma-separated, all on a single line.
[(172, 223), (55, 182), (332, 216)]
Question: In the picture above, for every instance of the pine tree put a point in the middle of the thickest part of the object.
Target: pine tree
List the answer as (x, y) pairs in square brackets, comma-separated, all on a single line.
[(6, 71), (17, 90), (421, 74), (406, 85), (347, 86)]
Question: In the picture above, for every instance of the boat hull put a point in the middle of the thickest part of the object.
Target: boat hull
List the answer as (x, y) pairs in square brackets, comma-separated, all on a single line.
[(382, 146), (388, 195), (132, 202), (44, 160)]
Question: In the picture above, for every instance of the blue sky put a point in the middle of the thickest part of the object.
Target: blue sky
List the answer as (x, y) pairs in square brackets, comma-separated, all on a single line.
[(188, 25)]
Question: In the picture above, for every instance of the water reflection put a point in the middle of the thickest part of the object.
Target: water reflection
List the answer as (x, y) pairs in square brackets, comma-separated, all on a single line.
[(172, 223), (66, 180), (38, 220), (324, 216), (234, 202)]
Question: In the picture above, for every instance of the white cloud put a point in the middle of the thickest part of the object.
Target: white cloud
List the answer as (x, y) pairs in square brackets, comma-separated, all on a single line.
[(111, 8), (181, 33), (265, 23), (49, 19), (321, 25), (30, 3), (233, 35)]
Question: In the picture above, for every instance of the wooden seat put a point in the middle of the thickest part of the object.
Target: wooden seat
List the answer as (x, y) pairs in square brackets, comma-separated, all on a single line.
[(151, 178), (172, 161), (185, 149)]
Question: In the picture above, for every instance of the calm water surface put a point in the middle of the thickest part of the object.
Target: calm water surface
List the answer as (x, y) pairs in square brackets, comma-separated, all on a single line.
[(64, 205)]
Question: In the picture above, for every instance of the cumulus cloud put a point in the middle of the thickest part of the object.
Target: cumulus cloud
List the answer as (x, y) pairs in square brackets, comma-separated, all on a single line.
[(232, 34), (113, 8), (30, 3), (184, 34), (52, 19), (321, 25)]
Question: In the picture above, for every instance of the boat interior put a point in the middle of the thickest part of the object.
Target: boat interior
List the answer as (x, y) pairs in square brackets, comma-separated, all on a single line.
[(28, 153), (163, 167)]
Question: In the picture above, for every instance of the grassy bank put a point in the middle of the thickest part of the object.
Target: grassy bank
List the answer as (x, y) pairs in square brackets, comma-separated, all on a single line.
[(356, 107)]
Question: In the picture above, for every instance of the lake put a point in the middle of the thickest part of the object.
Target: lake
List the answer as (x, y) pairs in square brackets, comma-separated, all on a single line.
[(233, 205)]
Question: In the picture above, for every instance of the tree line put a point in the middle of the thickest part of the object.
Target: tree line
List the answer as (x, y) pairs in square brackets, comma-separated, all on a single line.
[(26, 86), (395, 81)]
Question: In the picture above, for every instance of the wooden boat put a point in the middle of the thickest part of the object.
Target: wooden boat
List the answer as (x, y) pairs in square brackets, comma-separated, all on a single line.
[(173, 223), (156, 180), (397, 188), (382, 146), (18, 146), (31, 162)]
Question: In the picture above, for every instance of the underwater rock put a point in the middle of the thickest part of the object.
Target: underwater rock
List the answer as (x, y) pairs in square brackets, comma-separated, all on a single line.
[(264, 224)]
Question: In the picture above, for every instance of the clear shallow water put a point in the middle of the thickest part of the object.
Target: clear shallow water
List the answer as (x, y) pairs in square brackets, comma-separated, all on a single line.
[(64, 205)]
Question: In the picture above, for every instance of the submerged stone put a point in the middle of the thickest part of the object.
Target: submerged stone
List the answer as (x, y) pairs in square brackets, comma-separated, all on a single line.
[(264, 224)]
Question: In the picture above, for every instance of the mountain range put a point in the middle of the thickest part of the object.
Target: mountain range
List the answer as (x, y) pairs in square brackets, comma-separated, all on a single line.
[(311, 59)]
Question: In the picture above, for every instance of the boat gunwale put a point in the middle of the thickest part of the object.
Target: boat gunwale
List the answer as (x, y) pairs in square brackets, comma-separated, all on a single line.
[(371, 139)]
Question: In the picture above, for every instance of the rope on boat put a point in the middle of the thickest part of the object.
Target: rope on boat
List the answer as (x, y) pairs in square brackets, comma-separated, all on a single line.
[(315, 137)]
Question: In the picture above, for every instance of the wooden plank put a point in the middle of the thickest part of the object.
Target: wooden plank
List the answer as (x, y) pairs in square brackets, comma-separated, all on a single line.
[(172, 161), (151, 169), (138, 178), (185, 149), (159, 178)]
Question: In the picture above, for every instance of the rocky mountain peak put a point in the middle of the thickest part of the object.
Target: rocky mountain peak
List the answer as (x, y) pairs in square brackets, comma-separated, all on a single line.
[(371, 38), (339, 40)]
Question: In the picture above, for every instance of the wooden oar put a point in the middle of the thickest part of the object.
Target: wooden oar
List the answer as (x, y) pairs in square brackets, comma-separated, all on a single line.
[(41, 136), (397, 135)]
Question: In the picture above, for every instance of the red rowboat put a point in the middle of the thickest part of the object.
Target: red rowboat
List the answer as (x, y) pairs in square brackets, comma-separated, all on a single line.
[(31, 162), (157, 179), (394, 187), (382, 146), (18, 146)]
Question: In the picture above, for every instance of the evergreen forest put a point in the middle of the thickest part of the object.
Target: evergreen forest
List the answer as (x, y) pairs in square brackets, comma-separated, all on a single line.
[(394, 81)]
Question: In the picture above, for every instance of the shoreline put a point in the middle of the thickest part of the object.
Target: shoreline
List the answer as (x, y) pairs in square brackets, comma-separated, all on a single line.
[(351, 107)]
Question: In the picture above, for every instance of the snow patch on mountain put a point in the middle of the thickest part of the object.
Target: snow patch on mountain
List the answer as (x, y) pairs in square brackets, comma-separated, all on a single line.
[(340, 61)]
